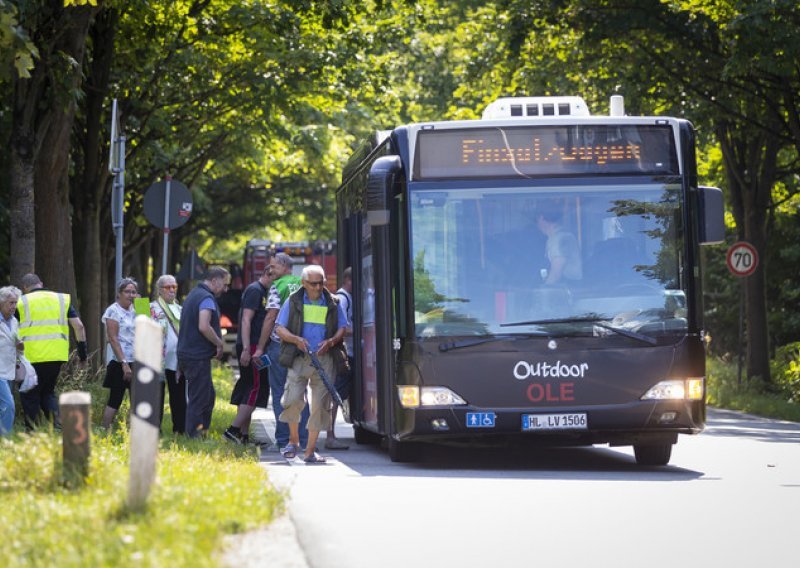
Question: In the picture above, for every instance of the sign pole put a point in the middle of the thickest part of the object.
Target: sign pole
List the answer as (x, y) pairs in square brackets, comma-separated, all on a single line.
[(168, 179), (741, 333), (120, 207), (116, 166), (167, 205), (742, 261)]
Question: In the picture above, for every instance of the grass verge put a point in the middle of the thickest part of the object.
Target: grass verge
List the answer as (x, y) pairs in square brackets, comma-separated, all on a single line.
[(725, 391), (204, 490)]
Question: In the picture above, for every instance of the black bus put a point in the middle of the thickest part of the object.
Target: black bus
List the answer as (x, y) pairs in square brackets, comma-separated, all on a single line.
[(531, 276)]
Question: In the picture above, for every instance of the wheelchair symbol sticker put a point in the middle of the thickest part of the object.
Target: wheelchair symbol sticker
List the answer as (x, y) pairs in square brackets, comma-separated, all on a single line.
[(481, 419)]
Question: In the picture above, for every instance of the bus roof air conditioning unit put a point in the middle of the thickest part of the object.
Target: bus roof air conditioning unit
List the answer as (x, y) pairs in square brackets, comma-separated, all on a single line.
[(523, 107)]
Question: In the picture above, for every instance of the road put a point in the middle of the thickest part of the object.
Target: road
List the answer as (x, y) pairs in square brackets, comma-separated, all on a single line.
[(730, 497)]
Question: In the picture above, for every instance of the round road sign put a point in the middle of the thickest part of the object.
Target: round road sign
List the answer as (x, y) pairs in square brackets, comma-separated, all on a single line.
[(179, 206), (742, 259)]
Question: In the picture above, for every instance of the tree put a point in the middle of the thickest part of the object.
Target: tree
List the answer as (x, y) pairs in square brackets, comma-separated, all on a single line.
[(43, 114), (731, 67)]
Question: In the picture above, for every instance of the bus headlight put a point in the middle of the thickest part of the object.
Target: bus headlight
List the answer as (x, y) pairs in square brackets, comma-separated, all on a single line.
[(413, 396), (440, 396), (677, 389)]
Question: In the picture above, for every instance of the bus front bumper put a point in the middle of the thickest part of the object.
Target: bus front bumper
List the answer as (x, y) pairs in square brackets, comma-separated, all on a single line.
[(619, 424)]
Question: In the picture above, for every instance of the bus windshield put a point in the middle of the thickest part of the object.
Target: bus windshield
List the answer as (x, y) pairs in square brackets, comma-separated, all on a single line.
[(533, 260)]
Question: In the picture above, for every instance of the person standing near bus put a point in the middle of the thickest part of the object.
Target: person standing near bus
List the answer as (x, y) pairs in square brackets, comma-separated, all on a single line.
[(310, 320), (562, 250), (44, 321), (284, 283), (252, 388), (10, 348), (200, 340), (119, 320), (344, 378), (166, 311)]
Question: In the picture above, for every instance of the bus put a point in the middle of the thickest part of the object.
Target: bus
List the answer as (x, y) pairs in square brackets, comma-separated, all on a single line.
[(529, 277)]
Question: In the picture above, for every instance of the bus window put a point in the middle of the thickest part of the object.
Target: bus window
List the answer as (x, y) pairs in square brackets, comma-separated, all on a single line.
[(479, 259)]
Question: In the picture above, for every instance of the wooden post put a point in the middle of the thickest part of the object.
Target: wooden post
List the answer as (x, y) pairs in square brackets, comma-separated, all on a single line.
[(76, 431), (145, 410)]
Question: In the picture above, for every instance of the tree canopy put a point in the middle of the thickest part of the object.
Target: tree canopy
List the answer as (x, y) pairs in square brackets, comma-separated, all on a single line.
[(255, 106)]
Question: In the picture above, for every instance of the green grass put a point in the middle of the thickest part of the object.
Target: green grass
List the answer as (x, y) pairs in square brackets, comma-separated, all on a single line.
[(724, 391), (204, 490)]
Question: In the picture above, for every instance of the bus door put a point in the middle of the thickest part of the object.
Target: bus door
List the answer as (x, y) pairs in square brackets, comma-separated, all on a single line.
[(369, 364)]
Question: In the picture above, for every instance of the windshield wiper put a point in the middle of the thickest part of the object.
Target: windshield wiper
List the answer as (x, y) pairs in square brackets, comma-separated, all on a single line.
[(593, 320), (450, 345)]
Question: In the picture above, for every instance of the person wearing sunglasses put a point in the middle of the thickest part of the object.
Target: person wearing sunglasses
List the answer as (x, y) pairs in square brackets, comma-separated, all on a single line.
[(311, 320), (119, 319), (166, 311)]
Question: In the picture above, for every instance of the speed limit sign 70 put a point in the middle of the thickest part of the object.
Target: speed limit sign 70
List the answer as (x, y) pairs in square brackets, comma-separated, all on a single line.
[(742, 259)]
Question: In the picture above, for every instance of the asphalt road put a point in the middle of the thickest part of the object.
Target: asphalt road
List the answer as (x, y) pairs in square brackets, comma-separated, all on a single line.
[(730, 497)]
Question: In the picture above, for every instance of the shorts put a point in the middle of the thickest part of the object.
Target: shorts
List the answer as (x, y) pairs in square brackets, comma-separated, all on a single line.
[(252, 388), (116, 383)]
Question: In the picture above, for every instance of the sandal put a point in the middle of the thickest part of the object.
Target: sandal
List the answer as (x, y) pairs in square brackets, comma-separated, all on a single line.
[(314, 458), (289, 451)]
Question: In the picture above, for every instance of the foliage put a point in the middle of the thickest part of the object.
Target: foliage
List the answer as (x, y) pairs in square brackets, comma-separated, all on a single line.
[(204, 489), (786, 370), (255, 105), (426, 298), (725, 391), (17, 51)]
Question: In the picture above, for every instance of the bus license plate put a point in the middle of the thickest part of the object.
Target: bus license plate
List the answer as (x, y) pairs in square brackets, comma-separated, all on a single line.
[(575, 421)]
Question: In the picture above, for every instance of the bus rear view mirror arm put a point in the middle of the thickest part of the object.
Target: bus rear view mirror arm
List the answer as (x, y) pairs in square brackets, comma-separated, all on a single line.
[(379, 185)]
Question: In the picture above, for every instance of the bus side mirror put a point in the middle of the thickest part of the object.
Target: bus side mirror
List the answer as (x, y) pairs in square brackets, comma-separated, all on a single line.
[(381, 179), (711, 226)]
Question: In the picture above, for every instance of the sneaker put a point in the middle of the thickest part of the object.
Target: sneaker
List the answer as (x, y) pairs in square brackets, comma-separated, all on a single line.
[(245, 439), (232, 436), (334, 444)]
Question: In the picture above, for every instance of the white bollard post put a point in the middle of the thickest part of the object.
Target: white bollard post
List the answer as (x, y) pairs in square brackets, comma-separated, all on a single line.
[(145, 410)]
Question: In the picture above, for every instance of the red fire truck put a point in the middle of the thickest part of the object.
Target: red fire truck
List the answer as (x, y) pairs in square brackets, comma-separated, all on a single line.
[(257, 253)]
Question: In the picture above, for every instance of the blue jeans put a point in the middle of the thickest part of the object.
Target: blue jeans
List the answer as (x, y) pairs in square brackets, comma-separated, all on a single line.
[(277, 384), (6, 407)]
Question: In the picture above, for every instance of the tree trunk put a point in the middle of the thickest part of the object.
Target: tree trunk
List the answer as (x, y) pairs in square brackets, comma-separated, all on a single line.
[(750, 164), (21, 212), (53, 213), (44, 110), (90, 185), (27, 93)]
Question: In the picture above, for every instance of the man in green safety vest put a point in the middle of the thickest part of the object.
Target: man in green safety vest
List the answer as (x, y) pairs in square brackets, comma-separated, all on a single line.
[(44, 321)]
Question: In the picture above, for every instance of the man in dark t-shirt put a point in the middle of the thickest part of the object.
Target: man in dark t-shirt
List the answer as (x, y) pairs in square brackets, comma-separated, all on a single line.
[(252, 388)]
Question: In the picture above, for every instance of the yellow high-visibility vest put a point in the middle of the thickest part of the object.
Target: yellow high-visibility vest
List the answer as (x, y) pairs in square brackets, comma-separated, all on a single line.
[(43, 326)]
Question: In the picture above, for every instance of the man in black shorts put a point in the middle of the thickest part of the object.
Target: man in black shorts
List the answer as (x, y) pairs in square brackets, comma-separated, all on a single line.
[(252, 388)]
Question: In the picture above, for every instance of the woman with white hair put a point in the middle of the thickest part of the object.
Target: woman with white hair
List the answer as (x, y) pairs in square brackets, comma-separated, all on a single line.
[(166, 312), (9, 346)]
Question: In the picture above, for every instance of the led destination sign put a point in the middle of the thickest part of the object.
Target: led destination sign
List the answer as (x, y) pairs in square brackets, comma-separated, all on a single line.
[(546, 150)]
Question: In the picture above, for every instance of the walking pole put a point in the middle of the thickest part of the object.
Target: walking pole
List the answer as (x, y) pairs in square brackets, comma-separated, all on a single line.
[(337, 399)]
